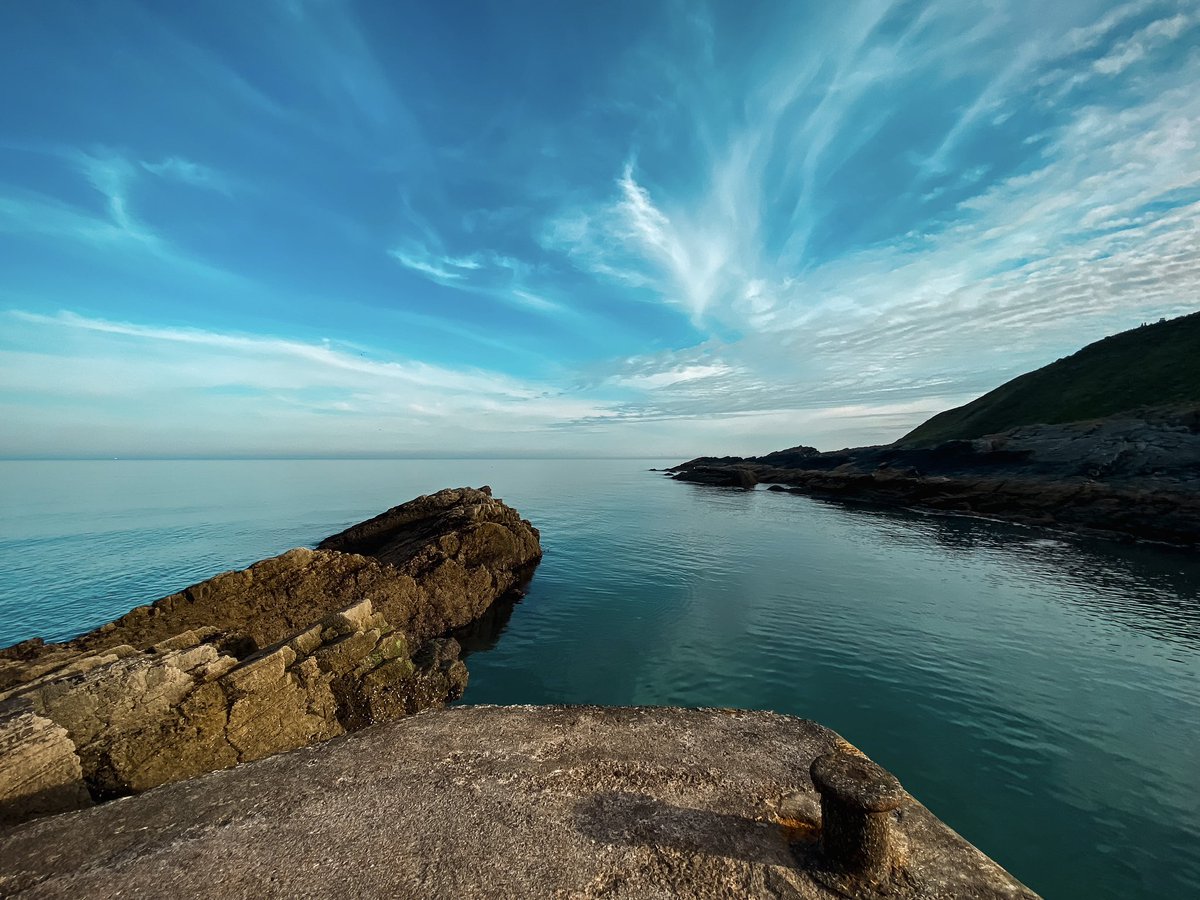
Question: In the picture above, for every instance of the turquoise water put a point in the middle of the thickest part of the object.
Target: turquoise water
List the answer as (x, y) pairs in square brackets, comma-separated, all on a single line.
[(1040, 693)]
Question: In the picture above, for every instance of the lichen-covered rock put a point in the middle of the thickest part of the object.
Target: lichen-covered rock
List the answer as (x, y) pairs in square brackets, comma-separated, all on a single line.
[(180, 687)]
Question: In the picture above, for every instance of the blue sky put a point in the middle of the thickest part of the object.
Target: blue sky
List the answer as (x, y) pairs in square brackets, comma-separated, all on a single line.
[(326, 227)]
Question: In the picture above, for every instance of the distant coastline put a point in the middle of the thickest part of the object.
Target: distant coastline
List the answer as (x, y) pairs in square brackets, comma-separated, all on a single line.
[(1106, 441), (1135, 477)]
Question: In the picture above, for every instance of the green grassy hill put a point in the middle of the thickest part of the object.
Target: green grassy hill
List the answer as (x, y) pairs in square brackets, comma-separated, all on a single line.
[(1149, 366)]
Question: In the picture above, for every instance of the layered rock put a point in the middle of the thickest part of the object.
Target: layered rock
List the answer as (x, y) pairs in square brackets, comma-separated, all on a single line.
[(1136, 475), (41, 772), (181, 687)]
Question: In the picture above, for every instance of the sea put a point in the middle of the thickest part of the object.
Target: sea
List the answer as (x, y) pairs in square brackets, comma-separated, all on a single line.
[(1039, 691)]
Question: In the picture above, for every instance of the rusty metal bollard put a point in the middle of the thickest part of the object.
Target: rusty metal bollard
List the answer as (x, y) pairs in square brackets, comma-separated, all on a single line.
[(857, 800)]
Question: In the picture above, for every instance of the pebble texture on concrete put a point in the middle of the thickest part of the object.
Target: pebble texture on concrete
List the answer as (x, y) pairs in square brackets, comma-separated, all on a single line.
[(498, 802)]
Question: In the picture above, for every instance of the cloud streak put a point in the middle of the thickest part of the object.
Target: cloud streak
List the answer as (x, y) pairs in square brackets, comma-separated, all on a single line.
[(189, 172), (1087, 233), (485, 273), (204, 382), (720, 232)]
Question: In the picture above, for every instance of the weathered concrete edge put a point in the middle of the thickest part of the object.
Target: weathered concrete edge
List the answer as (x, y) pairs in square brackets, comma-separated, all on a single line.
[(725, 761)]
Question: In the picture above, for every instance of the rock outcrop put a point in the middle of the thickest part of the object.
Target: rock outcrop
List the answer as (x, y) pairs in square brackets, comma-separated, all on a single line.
[(295, 649), (1133, 476), (504, 802), (41, 770)]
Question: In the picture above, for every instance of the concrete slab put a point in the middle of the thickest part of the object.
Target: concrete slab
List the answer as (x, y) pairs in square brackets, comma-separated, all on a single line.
[(553, 802)]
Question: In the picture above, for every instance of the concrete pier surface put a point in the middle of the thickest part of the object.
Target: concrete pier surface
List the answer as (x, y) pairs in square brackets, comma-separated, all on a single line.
[(506, 802)]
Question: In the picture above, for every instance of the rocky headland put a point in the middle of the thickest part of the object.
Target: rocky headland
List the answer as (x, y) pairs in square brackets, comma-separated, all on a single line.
[(295, 649), (1134, 475), (1105, 441), (553, 802), (1153, 365)]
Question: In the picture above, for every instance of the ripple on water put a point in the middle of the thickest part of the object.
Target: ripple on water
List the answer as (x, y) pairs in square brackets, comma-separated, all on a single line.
[(1039, 692)]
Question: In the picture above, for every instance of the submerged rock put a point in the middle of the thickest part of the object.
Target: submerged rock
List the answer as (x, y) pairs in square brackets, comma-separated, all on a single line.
[(349, 635)]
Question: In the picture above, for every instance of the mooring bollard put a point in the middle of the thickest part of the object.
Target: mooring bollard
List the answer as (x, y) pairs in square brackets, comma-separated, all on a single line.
[(857, 800)]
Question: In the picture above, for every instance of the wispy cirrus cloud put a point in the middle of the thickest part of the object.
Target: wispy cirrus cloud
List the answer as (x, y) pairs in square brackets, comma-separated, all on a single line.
[(115, 231), (328, 362), (790, 223), (1129, 51), (189, 172), (662, 378), (1085, 37), (442, 269), (203, 381), (115, 175), (636, 243), (486, 272), (1020, 255), (112, 176)]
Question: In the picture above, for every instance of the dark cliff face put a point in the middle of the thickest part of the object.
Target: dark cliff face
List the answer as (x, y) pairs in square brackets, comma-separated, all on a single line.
[(354, 633), (1155, 365)]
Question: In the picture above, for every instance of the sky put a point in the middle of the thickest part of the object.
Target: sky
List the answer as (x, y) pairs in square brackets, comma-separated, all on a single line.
[(324, 227)]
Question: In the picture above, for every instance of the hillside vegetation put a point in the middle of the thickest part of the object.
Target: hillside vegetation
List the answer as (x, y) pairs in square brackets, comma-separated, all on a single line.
[(1152, 365)]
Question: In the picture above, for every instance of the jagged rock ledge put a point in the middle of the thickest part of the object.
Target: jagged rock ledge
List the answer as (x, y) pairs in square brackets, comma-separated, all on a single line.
[(506, 802), (1130, 476), (295, 649)]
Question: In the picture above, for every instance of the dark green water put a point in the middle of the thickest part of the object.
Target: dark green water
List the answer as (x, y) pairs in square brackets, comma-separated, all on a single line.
[(1040, 693)]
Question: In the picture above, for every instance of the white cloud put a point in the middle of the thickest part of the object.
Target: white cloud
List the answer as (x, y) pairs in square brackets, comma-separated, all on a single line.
[(188, 172), (1096, 237), (192, 390), (112, 175), (27, 213), (486, 273), (114, 235), (1155, 34), (1087, 36), (535, 302), (442, 269), (669, 377), (694, 257), (323, 364)]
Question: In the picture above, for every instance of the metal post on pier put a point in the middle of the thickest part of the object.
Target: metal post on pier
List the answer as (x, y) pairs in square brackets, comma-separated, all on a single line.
[(858, 798)]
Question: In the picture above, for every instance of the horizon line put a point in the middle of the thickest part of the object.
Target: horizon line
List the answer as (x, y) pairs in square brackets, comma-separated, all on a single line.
[(332, 457)]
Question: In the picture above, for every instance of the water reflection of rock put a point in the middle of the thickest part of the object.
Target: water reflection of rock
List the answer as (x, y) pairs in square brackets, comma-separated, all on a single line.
[(296, 649), (1152, 588), (484, 633), (1135, 475)]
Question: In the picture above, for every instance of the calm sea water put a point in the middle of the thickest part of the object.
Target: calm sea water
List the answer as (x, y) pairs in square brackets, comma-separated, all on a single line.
[(1040, 693)]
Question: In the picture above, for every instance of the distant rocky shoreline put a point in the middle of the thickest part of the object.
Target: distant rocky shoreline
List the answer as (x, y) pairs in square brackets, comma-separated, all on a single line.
[(1132, 476), (293, 650)]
